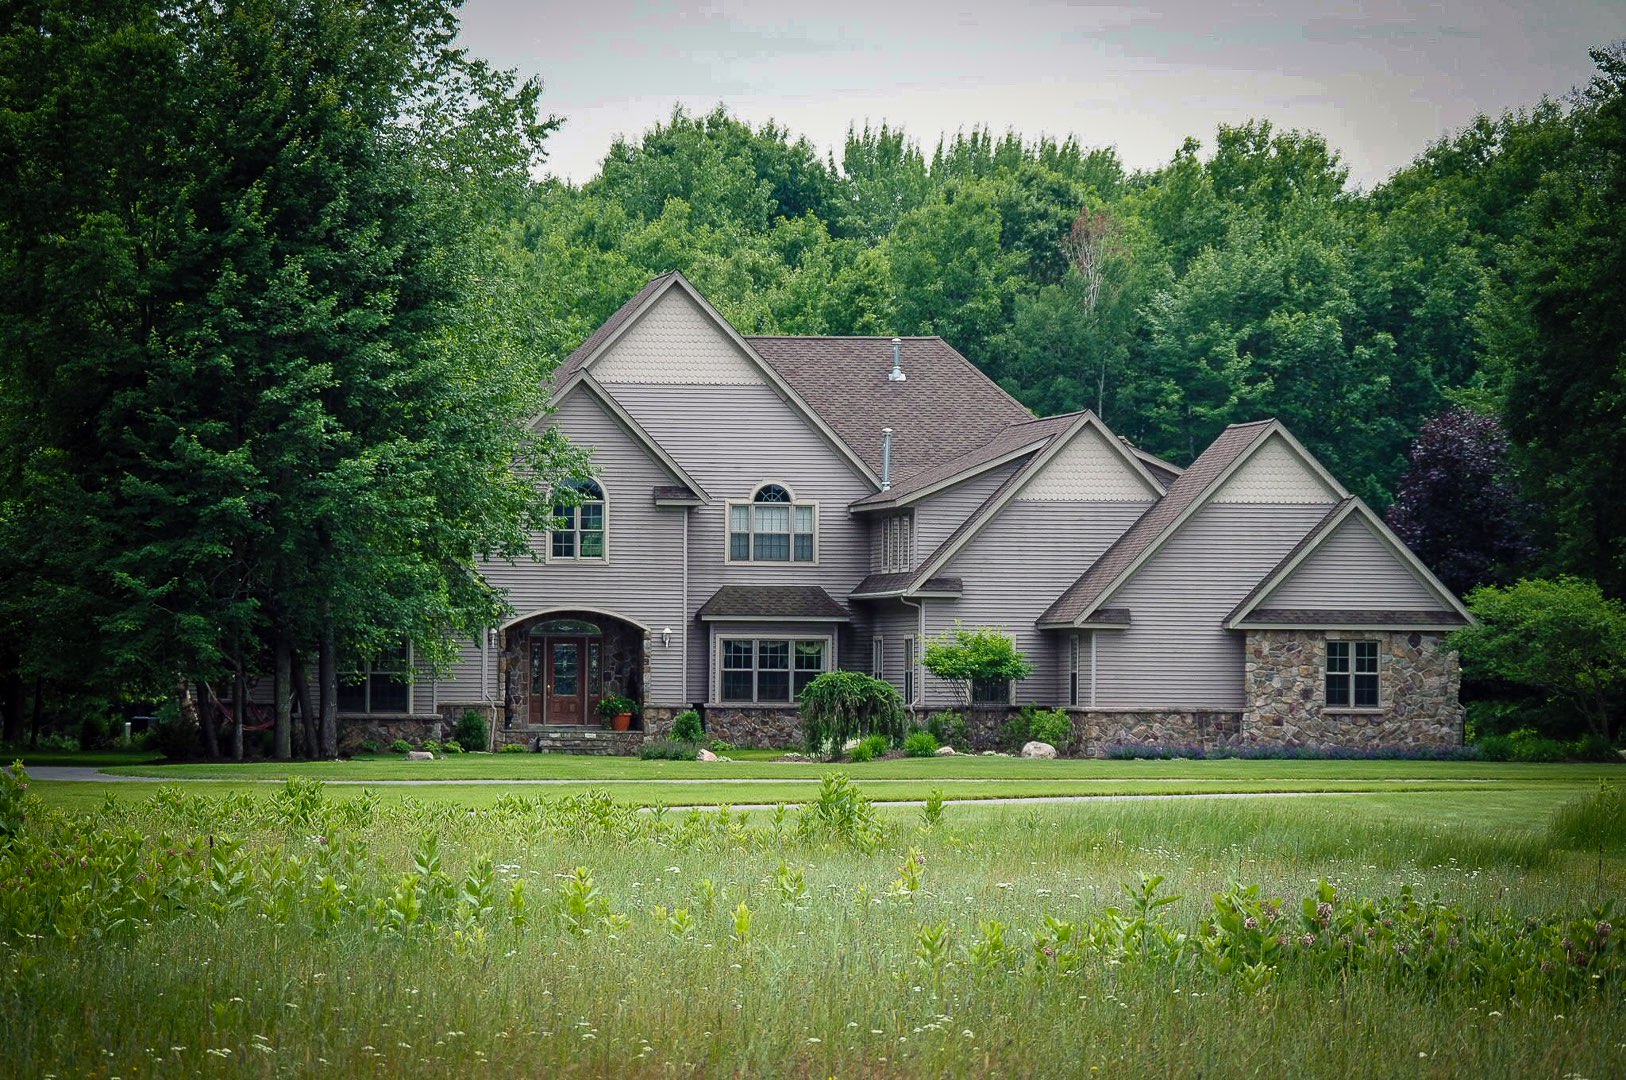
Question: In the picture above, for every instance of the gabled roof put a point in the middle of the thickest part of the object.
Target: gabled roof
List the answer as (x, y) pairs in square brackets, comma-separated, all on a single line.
[(579, 362), (877, 586), (1348, 619), (944, 408), (1248, 613), (975, 522), (1162, 471), (588, 384), (1146, 535), (798, 603), (1009, 444)]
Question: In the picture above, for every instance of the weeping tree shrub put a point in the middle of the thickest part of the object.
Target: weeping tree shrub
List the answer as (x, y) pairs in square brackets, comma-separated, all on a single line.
[(842, 705)]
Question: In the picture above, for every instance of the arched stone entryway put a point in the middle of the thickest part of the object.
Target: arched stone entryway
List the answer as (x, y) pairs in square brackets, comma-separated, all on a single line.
[(559, 664)]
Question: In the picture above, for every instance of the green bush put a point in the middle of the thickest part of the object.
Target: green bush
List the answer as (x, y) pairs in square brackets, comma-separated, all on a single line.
[(870, 747), (1051, 726), (452, 746), (686, 727), (1496, 748), (1015, 731), (92, 731), (371, 746), (962, 657), (842, 705), (668, 750), (920, 744), (401, 746), (473, 733), (173, 737), (432, 745), (722, 746), (1593, 747), (514, 748), (949, 728)]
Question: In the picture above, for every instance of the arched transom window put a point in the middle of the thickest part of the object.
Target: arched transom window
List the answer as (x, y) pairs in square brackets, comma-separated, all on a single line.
[(773, 527), (578, 531)]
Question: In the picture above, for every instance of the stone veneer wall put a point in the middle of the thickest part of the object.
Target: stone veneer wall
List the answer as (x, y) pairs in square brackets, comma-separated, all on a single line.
[(1097, 731), (1418, 680), (754, 727)]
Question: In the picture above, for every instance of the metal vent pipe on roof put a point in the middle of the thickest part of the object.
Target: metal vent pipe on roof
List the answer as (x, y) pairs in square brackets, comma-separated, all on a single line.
[(897, 362), (886, 459)]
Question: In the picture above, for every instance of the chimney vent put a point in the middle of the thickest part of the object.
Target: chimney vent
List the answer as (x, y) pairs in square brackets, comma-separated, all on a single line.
[(886, 457), (897, 362)]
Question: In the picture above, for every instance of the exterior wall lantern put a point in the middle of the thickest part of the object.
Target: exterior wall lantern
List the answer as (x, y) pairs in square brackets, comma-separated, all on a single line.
[(666, 637)]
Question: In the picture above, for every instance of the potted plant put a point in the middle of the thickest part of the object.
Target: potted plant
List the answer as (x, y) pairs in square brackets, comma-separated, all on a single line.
[(618, 710)]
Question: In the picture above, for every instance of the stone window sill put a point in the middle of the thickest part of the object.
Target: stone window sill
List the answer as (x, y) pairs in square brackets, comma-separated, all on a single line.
[(754, 706), (1354, 712)]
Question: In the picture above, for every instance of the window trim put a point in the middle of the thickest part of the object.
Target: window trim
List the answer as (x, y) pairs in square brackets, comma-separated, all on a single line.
[(717, 699), (750, 502), (366, 684), (877, 656), (910, 671), (1351, 672), (604, 500)]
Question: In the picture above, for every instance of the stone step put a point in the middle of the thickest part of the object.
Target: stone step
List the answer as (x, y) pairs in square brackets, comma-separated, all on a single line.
[(570, 739)]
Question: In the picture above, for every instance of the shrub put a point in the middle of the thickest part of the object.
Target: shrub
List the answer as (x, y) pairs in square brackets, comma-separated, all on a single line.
[(668, 750), (842, 705), (870, 747), (962, 657), (1496, 748), (686, 727), (949, 729), (371, 746), (452, 746), (473, 733), (920, 744), (1014, 732), (172, 736), (1593, 747), (513, 748), (401, 746), (722, 746), (1051, 726), (1539, 749), (432, 745), (92, 731)]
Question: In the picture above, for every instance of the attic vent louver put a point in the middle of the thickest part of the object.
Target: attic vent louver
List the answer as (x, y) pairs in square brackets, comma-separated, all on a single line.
[(897, 362)]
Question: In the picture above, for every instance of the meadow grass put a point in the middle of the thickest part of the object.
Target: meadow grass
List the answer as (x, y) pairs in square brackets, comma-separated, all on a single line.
[(841, 970)]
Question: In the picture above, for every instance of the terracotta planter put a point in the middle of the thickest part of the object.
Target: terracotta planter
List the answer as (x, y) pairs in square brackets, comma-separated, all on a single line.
[(621, 721)]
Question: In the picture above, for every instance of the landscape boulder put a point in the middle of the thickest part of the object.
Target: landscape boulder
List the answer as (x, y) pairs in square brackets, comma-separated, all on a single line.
[(945, 751), (1039, 750), (420, 755), (704, 755)]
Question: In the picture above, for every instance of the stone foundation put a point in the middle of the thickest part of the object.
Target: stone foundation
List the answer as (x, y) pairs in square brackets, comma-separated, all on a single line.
[(1285, 682), (416, 728), (1097, 731), (761, 728)]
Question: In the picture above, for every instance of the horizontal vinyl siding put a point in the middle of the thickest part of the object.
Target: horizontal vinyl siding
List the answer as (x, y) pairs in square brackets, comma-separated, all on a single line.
[(732, 439), (643, 577), (936, 516), (462, 682), (1175, 652), (1015, 567), (894, 621), (1352, 569)]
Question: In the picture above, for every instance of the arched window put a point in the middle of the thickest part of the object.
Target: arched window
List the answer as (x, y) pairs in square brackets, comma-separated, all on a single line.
[(578, 531), (772, 527)]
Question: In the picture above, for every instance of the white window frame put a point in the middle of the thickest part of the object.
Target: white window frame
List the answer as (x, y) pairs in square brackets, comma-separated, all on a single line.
[(576, 530), (750, 504), (366, 684), (717, 698), (1352, 670)]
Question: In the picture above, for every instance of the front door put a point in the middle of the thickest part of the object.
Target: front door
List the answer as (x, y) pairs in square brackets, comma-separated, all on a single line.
[(565, 694)]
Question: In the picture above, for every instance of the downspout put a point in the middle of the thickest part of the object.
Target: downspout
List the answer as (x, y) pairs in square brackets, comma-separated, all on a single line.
[(683, 646)]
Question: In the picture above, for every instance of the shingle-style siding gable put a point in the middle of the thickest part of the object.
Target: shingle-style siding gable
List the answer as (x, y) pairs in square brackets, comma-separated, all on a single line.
[(1087, 469), (1275, 473), (676, 342), (1353, 568)]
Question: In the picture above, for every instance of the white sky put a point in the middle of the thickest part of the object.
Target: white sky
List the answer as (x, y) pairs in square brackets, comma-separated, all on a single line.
[(1379, 78)]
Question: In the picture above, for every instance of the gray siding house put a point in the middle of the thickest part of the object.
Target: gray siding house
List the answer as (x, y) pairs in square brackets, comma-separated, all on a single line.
[(768, 508)]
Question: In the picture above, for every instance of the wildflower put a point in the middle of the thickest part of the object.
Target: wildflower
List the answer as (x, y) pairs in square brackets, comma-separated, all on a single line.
[(1250, 923), (1308, 940), (1323, 913), (1603, 929)]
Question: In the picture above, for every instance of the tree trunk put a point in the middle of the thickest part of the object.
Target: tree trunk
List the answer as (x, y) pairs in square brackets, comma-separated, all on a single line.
[(307, 716), (284, 703), (239, 706), (186, 705), (14, 727), (328, 676), (206, 720), (39, 699)]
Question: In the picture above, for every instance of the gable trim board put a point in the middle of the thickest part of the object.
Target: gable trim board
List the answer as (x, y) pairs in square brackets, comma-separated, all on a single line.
[(1146, 542), (676, 280), (911, 496), (1350, 508), (632, 427), (1017, 481)]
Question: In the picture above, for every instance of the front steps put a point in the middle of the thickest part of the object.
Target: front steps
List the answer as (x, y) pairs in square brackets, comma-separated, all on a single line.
[(573, 739)]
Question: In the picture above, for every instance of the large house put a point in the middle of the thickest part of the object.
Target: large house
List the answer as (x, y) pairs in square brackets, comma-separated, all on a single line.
[(769, 508)]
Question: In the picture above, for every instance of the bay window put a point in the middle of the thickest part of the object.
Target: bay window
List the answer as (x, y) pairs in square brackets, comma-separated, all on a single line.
[(769, 671)]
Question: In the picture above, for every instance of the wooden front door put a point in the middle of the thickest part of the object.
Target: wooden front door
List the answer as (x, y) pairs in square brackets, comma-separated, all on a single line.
[(564, 680)]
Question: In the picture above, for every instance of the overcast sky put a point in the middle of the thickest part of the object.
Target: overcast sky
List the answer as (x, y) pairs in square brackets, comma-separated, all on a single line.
[(1379, 78)]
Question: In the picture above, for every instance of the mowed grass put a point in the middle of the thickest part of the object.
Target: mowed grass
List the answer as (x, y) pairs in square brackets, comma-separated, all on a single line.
[(831, 977)]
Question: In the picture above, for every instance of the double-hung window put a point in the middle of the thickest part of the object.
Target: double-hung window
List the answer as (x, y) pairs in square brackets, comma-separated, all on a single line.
[(990, 691), (578, 528), (877, 656), (772, 527), (380, 685), (769, 671), (1352, 674)]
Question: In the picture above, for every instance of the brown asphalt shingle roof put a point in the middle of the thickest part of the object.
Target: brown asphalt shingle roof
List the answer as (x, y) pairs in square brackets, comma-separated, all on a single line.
[(1007, 441), (773, 602), (944, 409), (1149, 528), (881, 584)]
